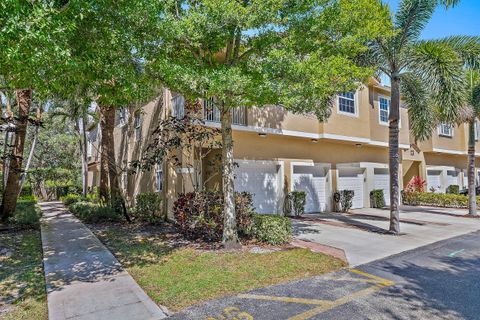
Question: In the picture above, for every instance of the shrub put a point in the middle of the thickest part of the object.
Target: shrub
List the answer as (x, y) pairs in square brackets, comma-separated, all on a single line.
[(26, 190), (92, 212), (71, 198), (200, 214), (377, 198), (272, 229), (27, 214), (343, 200), (295, 203), (148, 207), (435, 199), (453, 189)]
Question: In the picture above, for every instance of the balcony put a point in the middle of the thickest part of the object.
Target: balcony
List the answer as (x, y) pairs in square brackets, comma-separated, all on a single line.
[(212, 114)]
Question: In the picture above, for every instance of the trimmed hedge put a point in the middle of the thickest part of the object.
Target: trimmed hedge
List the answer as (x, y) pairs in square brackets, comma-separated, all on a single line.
[(272, 229), (343, 200), (377, 198), (295, 203), (435, 199), (93, 212), (148, 207), (453, 189)]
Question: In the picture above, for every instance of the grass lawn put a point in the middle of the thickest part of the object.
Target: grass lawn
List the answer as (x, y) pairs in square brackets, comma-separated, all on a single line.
[(183, 276), (22, 283)]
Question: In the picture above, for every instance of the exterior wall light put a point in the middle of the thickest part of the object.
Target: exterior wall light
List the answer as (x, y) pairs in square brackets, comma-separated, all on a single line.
[(358, 145), (314, 140), (262, 135)]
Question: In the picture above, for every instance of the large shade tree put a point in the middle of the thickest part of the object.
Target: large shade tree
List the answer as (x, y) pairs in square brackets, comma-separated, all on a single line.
[(252, 53), (33, 43), (428, 74)]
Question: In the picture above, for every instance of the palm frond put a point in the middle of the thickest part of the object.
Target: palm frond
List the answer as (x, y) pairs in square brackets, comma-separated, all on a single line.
[(441, 70), (422, 116), (411, 18), (468, 47)]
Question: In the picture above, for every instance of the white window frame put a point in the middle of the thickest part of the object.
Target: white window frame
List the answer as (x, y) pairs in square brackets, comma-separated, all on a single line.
[(159, 180), (125, 180), (385, 123), (477, 130), (355, 105), (89, 148), (443, 133), (138, 126)]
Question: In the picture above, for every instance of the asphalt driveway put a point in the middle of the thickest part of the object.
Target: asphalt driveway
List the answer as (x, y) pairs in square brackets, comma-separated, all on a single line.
[(437, 281), (362, 234)]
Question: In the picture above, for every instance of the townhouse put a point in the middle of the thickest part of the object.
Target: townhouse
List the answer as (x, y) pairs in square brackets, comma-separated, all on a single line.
[(277, 151)]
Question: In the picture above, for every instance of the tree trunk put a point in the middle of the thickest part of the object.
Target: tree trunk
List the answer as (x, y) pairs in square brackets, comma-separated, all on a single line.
[(108, 124), (230, 237), (394, 161), (10, 194), (472, 203), (103, 187), (29, 160)]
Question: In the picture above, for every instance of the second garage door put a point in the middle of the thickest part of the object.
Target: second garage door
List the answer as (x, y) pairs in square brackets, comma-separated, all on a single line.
[(263, 180), (382, 181), (352, 179), (312, 180), (434, 180)]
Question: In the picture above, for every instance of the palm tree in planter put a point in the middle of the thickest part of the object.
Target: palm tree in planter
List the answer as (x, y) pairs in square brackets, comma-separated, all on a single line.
[(428, 74)]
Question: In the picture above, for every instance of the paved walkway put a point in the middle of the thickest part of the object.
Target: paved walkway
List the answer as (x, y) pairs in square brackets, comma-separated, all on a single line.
[(362, 233), (84, 280)]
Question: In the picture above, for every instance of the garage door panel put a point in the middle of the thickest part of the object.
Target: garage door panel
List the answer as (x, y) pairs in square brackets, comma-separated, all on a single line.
[(315, 189), (350, 181), (433, 180), (382, 182), (262, 179)]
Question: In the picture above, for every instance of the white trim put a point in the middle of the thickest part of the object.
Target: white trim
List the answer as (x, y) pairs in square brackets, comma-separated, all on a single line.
[(355, 105), (302, 134), (450, 151)]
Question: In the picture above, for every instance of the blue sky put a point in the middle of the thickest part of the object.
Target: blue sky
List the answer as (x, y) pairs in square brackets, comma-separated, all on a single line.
[(463, 19)]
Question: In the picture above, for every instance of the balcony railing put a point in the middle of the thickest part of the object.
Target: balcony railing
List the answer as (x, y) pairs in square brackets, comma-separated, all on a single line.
[(212, 114)]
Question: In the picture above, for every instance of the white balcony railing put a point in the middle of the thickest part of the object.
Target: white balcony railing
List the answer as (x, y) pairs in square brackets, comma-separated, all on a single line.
[(212, 114)]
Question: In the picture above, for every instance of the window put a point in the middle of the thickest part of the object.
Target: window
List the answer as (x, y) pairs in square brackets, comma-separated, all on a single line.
[(122, 116), (346, 103), (445, 130), (89, 148), (477, 130), (159, 176), (178, 106), (125, 180), (384, 109), (138, 126)]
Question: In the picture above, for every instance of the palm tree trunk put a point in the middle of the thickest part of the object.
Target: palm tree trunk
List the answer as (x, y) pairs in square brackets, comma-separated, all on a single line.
[(394, 161), (230, 237), (472, 203), (10, 194)]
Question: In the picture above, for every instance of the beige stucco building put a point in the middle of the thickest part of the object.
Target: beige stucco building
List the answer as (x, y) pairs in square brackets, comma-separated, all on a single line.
[(277, 151)]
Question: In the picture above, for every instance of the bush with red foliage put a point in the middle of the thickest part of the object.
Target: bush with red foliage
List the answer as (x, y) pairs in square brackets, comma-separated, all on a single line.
[(199, 215)]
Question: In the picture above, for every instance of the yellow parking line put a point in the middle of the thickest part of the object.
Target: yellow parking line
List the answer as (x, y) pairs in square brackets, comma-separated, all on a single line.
[(378, 280), (284, 299)]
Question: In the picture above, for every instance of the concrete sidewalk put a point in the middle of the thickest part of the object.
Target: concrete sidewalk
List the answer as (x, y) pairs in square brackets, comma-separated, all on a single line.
[(361, 234), (84, 280)]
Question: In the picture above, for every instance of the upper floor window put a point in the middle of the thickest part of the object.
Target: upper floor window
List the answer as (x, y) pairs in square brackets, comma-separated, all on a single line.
[(477, 130), (125, 180), (178, 106), (122, 116), (89, 148), (159, 176), (384, 109), (346, 103), (138, 126), (445, 130)]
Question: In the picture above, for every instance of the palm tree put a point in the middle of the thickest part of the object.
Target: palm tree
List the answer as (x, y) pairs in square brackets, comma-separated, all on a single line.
[(428, 74), (468, 49)]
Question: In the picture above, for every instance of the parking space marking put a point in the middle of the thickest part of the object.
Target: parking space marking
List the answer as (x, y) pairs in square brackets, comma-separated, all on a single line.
[(325, 305), (453, 254)]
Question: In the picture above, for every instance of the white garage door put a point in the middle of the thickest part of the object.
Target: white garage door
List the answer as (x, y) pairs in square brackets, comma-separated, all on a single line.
[(312, 180), (382, 181), (433, 180), (262, 179), (352, 179), (452, 178)]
